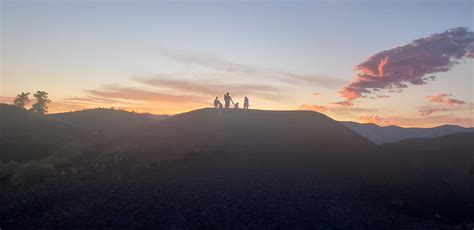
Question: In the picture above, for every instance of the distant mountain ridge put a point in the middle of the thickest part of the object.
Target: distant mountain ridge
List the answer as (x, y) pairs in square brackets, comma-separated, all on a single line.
[(387, 134)]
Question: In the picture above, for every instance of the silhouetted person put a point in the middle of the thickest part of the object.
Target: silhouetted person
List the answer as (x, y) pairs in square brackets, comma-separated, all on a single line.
[(227, 100), (246, 103), (236, 105), (216, 102), (219, 104)]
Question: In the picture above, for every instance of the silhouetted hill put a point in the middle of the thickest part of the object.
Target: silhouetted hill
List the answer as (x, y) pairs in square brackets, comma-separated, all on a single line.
[(267, 133), (25, 135), (240, 169), (107, 121), (380, 135)]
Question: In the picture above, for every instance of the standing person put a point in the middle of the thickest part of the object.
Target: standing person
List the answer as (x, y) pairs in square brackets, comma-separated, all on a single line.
[(246, 103), (236, 105), (227, 100), (216, 102)]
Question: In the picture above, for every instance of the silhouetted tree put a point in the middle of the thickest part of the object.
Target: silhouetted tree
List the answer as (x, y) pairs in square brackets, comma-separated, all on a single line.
[(42, 101), (22, 99)]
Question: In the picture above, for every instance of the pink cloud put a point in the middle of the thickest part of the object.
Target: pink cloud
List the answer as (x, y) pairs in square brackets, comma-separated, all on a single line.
[(443, 98), (395, 69)]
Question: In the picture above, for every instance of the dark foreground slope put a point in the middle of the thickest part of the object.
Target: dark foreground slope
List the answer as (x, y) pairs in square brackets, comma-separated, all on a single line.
[(205, 169), (432, 178), (388, 134)]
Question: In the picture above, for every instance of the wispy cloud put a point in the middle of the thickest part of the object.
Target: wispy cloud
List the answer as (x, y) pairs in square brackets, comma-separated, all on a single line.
[(213, 88), (136, 94), (396, 68), (443, 99), (89, 99), (429, 111), (332, 109), (317, 108), (223, 65)]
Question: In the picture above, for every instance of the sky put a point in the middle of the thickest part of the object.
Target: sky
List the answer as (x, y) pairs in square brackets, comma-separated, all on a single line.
[(406, 63)]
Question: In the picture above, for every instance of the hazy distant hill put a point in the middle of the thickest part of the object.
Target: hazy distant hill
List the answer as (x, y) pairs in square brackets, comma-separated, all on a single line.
[(380, 135), (25, 135), (107, 121)]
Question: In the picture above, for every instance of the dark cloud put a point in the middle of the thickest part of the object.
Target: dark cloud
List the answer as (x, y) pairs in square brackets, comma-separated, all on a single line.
[(429, 111), (454, 101), (343, 103), (395, 69), (379, 96)]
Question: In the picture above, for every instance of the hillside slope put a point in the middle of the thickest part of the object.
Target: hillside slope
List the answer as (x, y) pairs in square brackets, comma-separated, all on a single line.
[(254, 133), (26, 136), (107, 122)]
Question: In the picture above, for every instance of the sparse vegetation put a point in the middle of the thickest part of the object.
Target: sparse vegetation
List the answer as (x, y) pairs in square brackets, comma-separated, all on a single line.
[(22, 99), (41, 104)]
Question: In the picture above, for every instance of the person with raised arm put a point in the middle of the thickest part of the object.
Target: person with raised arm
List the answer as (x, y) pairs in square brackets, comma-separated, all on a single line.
[(227, 100)]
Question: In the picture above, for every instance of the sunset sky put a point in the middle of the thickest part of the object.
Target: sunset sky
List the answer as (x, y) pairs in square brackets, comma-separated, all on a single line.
[(406, 63)]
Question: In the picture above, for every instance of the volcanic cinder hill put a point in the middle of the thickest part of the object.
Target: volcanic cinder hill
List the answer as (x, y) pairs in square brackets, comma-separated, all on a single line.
[(254, 133), (234, 169)]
